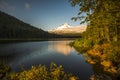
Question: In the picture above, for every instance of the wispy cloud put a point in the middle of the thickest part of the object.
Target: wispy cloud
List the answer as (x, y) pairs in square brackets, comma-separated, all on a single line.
[(27, 6), (5, 6)]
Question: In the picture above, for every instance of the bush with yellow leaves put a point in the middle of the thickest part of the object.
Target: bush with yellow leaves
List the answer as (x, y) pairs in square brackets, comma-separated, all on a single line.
[(41, 72)]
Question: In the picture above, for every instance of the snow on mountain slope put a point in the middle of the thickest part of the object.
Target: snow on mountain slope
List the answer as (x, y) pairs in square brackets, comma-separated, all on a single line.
[(66, 28), (63, 26)]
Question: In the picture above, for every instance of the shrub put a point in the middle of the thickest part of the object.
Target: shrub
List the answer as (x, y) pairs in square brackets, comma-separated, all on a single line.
[(41, 72), (4, 70)]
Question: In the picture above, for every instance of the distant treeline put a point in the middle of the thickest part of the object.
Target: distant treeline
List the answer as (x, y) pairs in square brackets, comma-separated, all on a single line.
[(13, 28)]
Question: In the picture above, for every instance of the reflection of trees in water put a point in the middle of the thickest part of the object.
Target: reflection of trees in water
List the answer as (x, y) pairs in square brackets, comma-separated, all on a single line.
[(14, 52), (6, 59)]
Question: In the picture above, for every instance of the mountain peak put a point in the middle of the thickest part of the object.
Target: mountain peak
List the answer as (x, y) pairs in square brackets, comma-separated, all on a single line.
[(67, 30), (63, 26)]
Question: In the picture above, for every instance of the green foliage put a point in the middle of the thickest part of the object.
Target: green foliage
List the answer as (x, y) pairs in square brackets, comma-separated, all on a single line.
[(41, 72), (107, 57), (102, 18), (102, 35), (82, 45)]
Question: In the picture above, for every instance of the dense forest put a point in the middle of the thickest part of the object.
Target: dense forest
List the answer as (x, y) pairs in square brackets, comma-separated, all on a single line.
[(12, 28), (101, 41)]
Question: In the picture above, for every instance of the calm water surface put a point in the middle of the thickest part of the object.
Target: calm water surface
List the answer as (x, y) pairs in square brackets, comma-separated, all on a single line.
[(26, 54)]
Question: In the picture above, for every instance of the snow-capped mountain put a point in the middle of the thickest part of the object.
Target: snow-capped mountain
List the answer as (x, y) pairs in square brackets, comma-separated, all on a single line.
[(66, 28), (63, 26)]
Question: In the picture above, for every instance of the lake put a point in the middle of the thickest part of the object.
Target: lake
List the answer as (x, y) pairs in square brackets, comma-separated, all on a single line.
[(25, 54)]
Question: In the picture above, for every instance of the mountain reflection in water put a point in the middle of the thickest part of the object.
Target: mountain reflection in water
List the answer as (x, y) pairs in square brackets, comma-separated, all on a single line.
[(61, 47), (23, 55)]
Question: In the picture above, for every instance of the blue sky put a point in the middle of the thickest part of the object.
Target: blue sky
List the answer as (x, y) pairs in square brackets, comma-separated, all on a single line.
[(44, 14)]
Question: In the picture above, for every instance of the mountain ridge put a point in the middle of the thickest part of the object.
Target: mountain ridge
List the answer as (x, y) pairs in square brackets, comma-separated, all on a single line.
[(13, 28)]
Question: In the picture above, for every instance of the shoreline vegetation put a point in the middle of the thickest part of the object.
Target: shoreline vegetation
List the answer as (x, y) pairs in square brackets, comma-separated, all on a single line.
[(104, 57), (41, 72), (100, 43)]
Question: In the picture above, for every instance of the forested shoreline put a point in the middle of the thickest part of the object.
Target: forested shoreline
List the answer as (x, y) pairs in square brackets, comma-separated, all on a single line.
[(100, 44)]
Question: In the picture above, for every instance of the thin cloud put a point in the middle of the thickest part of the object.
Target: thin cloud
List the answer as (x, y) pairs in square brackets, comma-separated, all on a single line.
[(27, 6), (6, 7)]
